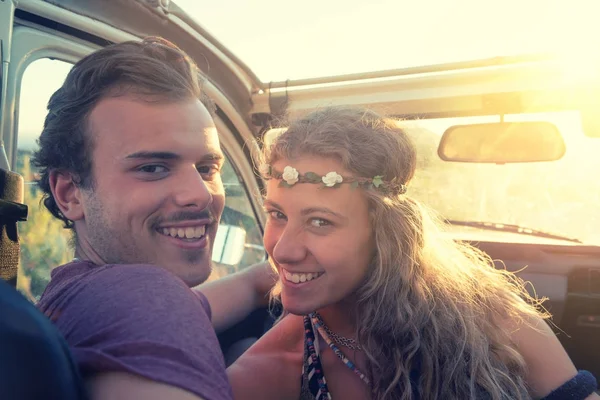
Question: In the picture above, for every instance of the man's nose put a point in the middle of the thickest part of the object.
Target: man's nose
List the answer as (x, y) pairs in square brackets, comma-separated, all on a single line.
[(290, 247), (192, 190)]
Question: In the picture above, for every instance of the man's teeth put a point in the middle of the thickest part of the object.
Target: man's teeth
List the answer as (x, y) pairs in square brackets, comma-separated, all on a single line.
[(190, 232), (298, 278)]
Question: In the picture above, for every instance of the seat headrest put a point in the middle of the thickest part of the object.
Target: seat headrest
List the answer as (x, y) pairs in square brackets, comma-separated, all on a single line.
[(12, 210)]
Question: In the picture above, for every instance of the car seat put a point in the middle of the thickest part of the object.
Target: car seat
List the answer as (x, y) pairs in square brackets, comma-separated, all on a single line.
[(35, 361)]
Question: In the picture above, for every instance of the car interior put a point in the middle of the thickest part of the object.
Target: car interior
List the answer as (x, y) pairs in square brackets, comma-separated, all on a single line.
[(507, 152)]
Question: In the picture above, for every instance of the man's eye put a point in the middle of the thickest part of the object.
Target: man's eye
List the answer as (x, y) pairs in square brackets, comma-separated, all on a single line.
[(207, 169), (153, 169)]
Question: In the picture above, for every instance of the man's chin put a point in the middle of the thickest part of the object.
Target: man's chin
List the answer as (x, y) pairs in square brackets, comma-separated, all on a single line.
[(196, 276), (192, 272)]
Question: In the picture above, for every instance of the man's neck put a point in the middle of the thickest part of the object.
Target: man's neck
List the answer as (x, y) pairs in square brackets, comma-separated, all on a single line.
[(84, 252)]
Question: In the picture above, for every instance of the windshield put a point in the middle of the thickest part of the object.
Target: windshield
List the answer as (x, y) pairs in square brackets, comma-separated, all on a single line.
[(560, 197), (281, 40)]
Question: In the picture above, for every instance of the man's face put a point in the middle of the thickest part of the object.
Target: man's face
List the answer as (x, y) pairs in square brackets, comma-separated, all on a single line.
[(157, 195)]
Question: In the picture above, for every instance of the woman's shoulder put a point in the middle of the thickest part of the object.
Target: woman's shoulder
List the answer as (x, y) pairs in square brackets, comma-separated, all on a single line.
[(272, 367), (287, 335), (547, 363)]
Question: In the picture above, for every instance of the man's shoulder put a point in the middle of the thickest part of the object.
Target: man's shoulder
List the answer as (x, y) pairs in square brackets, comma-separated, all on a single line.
[(88, 272), (139, 319), (121, 279), (132, 284), (114, 291)]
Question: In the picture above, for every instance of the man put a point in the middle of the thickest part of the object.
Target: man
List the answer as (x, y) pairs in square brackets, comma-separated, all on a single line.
[(130, 160)]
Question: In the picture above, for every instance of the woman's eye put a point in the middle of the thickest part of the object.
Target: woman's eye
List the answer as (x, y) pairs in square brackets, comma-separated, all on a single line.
[(319, 222), (278, 215)]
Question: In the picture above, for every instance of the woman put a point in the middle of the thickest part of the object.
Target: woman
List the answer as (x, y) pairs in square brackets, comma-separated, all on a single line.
[(378, 304)]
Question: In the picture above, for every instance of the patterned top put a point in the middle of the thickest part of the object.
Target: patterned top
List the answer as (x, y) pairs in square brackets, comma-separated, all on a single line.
[(313, 385)]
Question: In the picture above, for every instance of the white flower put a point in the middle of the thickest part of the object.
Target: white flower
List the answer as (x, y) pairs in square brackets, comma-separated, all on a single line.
[(332, 178), (290, 175), (264, 169)]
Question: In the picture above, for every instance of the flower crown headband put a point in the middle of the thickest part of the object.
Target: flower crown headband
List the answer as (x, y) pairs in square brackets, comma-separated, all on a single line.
[(290, 176)]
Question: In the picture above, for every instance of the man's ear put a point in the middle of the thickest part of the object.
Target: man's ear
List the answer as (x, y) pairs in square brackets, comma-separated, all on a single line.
[(67, 195)]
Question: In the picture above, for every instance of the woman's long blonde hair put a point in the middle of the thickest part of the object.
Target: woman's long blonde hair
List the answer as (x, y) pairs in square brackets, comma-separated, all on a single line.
[(431, 311)]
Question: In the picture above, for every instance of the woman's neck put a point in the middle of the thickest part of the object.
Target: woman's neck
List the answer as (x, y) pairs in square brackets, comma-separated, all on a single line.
[(341, 318)]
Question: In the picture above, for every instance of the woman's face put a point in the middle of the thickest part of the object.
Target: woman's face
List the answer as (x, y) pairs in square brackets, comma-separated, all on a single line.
[(318, 238)]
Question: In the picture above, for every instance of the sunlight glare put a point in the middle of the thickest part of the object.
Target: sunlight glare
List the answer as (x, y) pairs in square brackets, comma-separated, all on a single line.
[(315, 38)]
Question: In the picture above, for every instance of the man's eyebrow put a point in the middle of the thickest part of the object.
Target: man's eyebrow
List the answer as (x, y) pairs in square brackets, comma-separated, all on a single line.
[(161, 155), (167, 155), (213, 157)]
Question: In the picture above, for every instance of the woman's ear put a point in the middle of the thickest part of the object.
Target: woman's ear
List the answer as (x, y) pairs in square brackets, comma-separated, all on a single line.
[(67, 195)]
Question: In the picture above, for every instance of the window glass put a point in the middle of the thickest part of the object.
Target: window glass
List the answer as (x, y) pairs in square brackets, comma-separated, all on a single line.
[(44, 241), (559, 197)]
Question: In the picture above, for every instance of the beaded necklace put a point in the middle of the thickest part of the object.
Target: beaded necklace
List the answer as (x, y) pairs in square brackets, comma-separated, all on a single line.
[(321, 328), (338, 339)]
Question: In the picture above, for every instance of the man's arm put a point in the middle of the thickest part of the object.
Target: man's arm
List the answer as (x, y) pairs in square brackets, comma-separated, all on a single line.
[(234, 297), (126, 386)]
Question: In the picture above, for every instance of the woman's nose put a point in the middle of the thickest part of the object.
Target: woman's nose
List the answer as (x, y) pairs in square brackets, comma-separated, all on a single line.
[(290, 247)]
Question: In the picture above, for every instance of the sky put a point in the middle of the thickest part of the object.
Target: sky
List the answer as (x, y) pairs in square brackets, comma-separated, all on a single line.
[(282, 40)]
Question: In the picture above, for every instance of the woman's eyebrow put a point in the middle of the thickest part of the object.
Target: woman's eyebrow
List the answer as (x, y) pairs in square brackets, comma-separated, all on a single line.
[(271, 203), (324, 210), (308, 210)]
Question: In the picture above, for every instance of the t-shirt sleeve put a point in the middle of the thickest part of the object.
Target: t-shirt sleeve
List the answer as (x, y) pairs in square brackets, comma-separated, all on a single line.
[(205, 303), (144, 320)]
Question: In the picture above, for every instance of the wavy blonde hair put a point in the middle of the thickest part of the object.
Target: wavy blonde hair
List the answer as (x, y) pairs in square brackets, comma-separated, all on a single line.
[(429, 305)]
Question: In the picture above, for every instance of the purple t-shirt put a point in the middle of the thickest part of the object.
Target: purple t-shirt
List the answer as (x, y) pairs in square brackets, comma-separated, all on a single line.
[(139, 319)]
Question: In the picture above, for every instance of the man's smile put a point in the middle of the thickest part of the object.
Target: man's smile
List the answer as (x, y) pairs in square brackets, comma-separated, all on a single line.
[(190, 232), (186, 234)]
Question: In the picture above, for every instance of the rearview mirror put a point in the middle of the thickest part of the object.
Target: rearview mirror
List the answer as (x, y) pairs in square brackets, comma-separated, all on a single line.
[(502, 142), (229, 245)]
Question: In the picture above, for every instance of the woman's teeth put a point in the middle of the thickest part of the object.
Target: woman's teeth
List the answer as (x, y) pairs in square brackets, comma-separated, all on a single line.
[(299, 278)]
